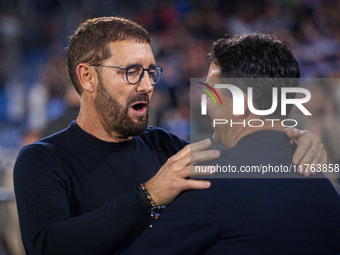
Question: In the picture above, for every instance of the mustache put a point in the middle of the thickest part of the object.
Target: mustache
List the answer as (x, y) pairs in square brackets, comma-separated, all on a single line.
[(138, 97)]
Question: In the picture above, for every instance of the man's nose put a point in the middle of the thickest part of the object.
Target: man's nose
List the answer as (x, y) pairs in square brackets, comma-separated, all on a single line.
[(145, 84)]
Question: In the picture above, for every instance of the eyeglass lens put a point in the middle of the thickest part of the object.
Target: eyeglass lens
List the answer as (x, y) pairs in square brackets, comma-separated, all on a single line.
[(135, 73)]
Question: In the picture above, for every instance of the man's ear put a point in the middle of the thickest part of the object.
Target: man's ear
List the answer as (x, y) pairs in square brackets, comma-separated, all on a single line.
[(87, 77)]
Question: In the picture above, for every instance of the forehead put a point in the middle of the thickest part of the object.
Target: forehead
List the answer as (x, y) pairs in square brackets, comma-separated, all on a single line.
[(130, 52)]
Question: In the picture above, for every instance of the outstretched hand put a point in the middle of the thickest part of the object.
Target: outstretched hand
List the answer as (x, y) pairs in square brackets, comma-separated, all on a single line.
[(173, 177), (309, 151)]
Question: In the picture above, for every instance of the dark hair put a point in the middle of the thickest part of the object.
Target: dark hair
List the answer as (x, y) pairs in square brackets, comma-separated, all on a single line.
[(89, 42), (258, 56)]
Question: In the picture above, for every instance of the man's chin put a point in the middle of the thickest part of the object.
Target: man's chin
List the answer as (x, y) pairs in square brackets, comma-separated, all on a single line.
[(140, 130), (140, 123), (134, 129)]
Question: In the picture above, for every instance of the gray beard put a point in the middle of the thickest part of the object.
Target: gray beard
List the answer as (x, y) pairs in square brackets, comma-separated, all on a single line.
[(116, 116)]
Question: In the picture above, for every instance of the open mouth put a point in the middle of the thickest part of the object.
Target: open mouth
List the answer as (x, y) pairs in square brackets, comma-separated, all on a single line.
[(139, 107)]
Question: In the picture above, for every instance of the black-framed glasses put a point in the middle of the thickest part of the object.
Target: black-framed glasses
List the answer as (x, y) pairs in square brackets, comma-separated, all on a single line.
[(135, 73)]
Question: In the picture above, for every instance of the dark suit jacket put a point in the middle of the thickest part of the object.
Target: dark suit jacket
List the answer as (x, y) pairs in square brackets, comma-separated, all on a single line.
[(250, 216)]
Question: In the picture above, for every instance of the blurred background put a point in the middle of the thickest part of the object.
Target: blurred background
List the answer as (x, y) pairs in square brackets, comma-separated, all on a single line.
[(37, 98)]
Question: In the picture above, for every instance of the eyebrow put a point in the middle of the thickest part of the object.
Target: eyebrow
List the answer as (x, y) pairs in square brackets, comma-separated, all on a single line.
[(130, 64)]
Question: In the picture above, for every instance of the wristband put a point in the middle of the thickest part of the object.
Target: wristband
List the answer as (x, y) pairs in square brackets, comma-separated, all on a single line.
[(148, 202)]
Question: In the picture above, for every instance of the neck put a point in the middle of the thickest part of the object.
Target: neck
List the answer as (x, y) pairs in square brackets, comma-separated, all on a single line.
[(238, 132), (92, 123)]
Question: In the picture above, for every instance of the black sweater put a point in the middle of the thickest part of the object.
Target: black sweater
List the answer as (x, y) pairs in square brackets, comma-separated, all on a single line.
[(286, 215), (77, 194)]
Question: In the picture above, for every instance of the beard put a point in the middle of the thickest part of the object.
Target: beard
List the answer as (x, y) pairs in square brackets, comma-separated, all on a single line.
[(116, 115)]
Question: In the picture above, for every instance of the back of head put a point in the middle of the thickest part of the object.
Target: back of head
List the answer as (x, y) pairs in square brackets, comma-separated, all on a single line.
[(263, 58), (89, 42), (254, 56)]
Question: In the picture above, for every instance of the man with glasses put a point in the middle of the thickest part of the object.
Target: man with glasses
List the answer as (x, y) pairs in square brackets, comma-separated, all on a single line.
[(93, 187)]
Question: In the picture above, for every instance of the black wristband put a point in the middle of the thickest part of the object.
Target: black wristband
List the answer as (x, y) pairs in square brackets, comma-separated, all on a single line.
[(144, 198), (148, 202)]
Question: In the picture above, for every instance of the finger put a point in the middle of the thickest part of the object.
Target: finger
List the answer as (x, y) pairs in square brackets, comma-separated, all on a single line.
[(300, 170), (195, 157), (293, 132), (304, 147), (310, 169), (309, 157), (182, 153), (195, 184), (184, 172), (201, 145), (315, 163), (196, 171), (200, 156), (199, 171)]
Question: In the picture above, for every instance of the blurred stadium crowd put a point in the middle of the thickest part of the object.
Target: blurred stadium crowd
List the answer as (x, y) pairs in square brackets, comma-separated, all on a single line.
[(37, 98)]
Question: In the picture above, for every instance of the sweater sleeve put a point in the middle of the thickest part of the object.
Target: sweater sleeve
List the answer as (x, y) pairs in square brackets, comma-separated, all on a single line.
[(44, 213), (189, 225)]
